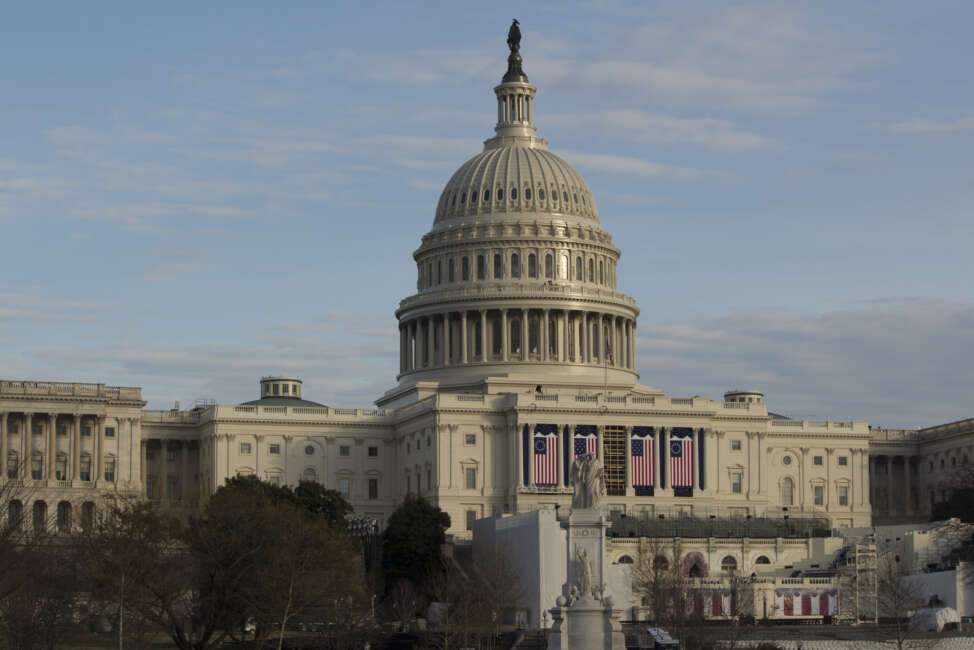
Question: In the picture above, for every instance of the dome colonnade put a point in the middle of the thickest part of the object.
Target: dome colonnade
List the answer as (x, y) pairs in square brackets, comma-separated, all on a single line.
[(517, 276)]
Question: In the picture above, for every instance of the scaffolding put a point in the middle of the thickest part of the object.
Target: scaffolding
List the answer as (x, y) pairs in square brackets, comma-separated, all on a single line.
[(861, 580)]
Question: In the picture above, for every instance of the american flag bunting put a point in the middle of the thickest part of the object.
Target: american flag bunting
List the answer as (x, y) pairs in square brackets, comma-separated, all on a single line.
[(681, 462)]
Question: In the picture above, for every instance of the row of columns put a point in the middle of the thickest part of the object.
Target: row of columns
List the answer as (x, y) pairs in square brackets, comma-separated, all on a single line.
[(703, 480), (183, 476), (515, 107), (897, 483), (74, 453), (577, 336)]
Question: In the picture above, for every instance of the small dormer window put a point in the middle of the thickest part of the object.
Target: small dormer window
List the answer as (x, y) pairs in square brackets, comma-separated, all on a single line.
[(527, 193), (514, 194), (564, 195), (500, 194), (541, 193), (486, 196), (575, 196)]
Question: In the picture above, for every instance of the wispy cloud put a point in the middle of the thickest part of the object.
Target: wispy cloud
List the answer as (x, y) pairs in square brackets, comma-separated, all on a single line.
[(35, 307), (892, 363), (923, 125), (625, 165)]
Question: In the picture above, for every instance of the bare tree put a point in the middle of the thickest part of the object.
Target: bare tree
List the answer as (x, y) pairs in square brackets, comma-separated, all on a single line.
[(670, 594), (899, 596)]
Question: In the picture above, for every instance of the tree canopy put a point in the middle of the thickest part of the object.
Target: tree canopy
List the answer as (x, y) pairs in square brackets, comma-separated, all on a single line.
[(413, 540)]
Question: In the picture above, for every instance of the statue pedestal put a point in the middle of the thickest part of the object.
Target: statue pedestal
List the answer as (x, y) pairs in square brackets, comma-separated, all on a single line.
[(584, 618)]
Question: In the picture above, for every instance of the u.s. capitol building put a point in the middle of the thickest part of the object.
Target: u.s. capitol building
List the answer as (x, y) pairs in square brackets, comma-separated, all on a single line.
[(517, 352)]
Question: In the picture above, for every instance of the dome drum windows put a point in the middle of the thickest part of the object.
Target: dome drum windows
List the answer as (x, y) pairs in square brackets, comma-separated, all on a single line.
[(514, 194), (527, 193), (486, 196), (532, 266), (541, 194), (515, 266)]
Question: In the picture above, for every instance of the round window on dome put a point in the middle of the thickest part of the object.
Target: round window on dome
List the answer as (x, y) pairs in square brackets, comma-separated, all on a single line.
[(514, 194), (541, 193), (500, 194), (527, 193)]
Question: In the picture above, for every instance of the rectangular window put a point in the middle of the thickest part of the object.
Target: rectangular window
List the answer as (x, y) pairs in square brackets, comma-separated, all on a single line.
[(816, 460), (172, 488), (735, 445), (109, 432), (498, 267), (843, 495), (86, 430), (373, 488), (471, 478), (285, 388), (110, 470), (344, 450), (62, 430), (843, 460), (471, 517), (274, 479), (344, 487), (37, 468), (819, 492), (12, 467), (274, 449), (61, 468), (171, 455), (36, 429), (373, 452), (14, 427), (465, 269), (481, 268), (245, 448), (84, 472), (470, 439), (737, 479)]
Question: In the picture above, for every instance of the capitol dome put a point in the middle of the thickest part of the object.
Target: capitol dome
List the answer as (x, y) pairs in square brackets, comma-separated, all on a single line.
[(516, 179), (517, 278)]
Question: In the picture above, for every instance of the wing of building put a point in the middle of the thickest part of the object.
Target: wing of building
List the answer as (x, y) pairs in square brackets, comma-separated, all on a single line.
[(517, 352)]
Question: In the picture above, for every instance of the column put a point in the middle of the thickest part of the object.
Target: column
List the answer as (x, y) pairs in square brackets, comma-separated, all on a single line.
[(889, 485), (184, 466), (25, 441), (828, 479), (3, 442), (531, 455), (577, 336), (617, 352), (661, 465), (463, 337), (543, 339), (718, 437), (446, 339), (601, 439), (630, 492), (505, 336), (853, 484), (96, 461), (402, 349), (51, 446), (518, 457), (559, 458), (632, 343), (143, 463), (483, 335), (430, 338), (524, 335), (656, 456), (75, 448), (908, 486), (563, 337)]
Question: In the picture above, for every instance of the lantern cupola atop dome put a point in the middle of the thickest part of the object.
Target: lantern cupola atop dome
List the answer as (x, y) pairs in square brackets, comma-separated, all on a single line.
[(515, 101)]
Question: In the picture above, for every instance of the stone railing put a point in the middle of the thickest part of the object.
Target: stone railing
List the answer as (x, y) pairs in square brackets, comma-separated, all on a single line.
[(628, 401), (69, 389), (245, 412), (520, 290), (818, 426)]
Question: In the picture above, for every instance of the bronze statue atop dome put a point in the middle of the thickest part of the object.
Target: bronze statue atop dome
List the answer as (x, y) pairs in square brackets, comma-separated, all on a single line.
[(514, 37)]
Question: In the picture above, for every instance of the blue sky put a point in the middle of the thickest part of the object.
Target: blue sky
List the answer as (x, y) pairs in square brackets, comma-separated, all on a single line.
[(195, 194)]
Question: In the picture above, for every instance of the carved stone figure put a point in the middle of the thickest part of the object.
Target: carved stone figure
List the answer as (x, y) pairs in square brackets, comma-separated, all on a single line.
[(514, 37), (586, 479), (584, 570)]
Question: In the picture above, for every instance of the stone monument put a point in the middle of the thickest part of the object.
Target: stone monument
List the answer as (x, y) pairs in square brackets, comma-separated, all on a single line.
[(584, 616)]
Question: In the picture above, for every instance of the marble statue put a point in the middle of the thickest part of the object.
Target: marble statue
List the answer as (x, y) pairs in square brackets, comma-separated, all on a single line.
[(586, 479), (584, 571)]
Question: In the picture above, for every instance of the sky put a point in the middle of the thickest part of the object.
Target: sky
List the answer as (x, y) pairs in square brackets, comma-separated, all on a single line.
[(193, 195)]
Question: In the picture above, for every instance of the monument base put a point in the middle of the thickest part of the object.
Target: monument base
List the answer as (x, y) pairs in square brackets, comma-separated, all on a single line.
[(586, 626)]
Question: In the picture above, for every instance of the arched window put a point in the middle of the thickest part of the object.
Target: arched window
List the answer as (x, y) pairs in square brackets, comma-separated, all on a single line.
[(451, 276), (37, 465), (516, 335), (87, 514), (63, 517), (13, 464), (601, 272), (527, 193), (486, 196), (439, 271), (110, 468), (498, 266), (15, 514), (728, 564), (85, 471), (578, 269), (541, 193), (465, 269), (563, 267), (549, 269), (481, 268), (476, 339), (514, 194), (309, 475), (625, 559), (591, 270), (61, 466), (787, 491), (515, 266), (532, 266), (500, 194), (763, 559), (40, 516), (495, 334)]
